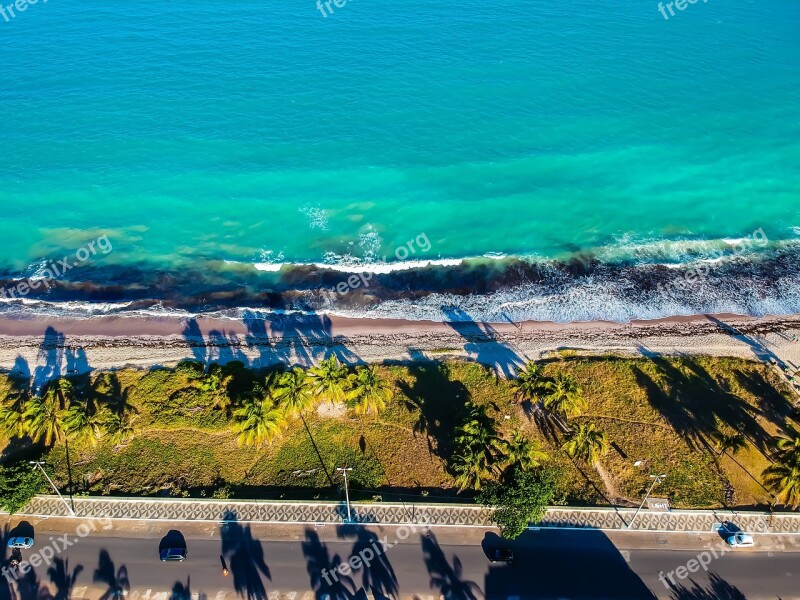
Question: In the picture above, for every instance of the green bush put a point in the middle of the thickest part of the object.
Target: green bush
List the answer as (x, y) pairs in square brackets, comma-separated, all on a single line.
[(522, 501), (18, 484)]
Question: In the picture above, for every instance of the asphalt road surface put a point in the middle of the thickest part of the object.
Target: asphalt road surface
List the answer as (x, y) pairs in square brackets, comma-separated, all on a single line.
[(547, 565)]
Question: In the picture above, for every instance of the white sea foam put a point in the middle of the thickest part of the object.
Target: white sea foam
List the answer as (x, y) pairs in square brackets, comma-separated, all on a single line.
[(317, 217), (742, 286)]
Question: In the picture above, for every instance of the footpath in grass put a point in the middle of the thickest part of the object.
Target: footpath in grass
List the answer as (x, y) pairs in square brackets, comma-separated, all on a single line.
[(663, 414)]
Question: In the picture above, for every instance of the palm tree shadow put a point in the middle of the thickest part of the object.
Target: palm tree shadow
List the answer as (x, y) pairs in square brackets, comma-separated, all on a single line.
[(64, 580), (760, 350), (446, 579), (326, 581), (694, 403), (6, 592), (439, 401), (194, 337), (184, 592), (245, 557), (718, 589), (483, 342), (378, 575), (116, 580), (50, 359), (32, 588)]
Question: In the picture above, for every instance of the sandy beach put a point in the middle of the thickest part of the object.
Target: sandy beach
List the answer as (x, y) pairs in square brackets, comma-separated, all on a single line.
[(46, 348)]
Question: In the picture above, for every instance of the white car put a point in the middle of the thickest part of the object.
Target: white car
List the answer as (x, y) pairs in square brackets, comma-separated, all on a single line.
[(741, 540), (20, 542)]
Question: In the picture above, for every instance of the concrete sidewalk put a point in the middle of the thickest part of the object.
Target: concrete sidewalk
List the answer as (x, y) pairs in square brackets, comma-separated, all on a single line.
[(447, 536)]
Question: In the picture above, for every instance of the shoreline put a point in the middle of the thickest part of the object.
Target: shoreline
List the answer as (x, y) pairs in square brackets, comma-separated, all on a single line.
[(52, 346)]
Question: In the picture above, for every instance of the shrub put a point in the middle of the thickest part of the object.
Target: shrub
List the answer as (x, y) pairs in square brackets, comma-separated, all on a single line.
[(19, 483)]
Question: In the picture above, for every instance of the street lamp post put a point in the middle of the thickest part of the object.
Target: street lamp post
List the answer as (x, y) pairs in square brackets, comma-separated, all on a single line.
[(53, 485), (656, 479), (344, 471)]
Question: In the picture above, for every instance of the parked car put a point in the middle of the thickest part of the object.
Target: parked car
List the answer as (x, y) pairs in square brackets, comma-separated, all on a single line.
[(173, 554), (501, 555), (20, 542), (741, 540)]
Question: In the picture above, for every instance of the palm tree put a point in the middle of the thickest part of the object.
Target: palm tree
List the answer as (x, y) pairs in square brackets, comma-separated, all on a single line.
[(12, 419), (43, 418), (788, 447), (564, 397), (82, 423), (118, 426), (329, 379), (369, 392), (471, 468), (293, 392), (784, 479), (63, 390), (216, 383), (478, 449), (523, 452), (258, 420), (479, 430), (528, 383), (732, 443), (587, 443)]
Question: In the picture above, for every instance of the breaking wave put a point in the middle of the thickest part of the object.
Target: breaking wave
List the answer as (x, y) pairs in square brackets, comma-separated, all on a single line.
[(630, 280)]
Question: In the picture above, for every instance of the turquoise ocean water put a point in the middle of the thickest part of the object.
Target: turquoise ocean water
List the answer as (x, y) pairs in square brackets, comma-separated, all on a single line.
[(583, 156)]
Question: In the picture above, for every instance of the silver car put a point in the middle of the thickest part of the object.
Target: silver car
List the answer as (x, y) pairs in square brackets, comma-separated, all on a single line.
[(741, 540)]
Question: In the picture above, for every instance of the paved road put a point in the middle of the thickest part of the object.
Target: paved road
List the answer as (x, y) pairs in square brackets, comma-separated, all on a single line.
[(549, 565)]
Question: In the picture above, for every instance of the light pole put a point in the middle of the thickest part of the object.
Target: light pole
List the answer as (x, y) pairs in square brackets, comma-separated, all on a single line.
[(344, 471), (53, 485), (656, 479)]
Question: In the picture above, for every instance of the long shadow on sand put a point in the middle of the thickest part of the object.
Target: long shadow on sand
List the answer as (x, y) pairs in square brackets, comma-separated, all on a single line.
[(290, 340), (483, 343)]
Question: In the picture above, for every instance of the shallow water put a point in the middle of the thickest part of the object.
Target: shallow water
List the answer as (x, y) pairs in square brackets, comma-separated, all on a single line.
[(579, 154)]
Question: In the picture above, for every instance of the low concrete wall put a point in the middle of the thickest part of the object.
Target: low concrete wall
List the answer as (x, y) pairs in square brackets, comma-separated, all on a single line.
[(463, 515)]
